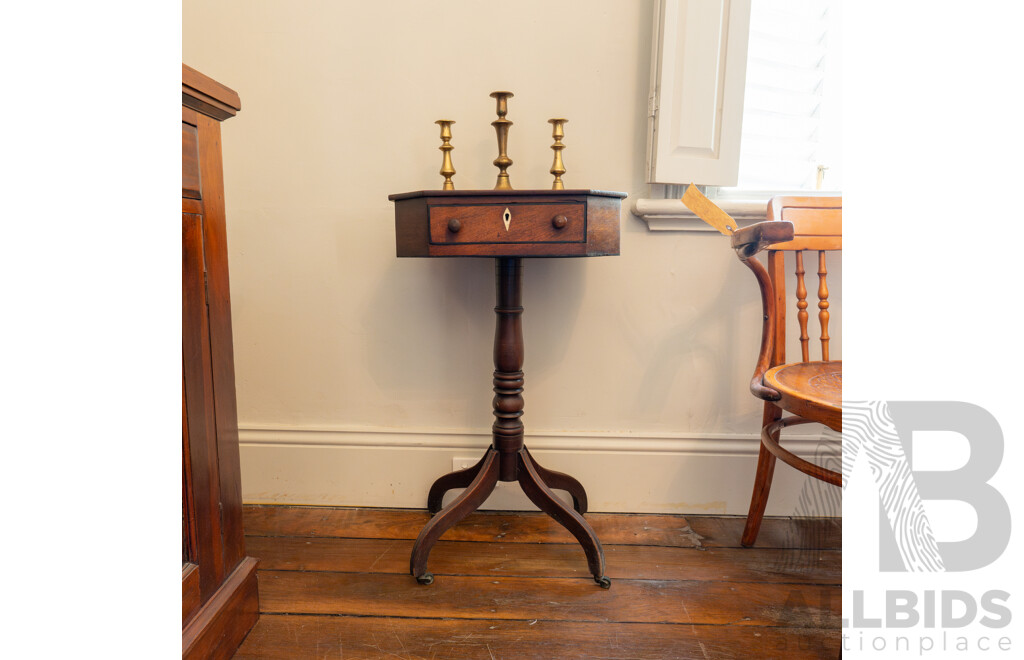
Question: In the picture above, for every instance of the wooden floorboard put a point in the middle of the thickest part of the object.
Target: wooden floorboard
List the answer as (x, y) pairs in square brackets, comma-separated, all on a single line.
[(535, 527), (479, 526), (549, 560), (796, 533), (566, 599), (334, 583), (278, 637)]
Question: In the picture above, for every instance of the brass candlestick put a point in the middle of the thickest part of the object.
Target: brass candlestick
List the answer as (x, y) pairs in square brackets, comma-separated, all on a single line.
[(501, 126), (447, 169), (557, 168)]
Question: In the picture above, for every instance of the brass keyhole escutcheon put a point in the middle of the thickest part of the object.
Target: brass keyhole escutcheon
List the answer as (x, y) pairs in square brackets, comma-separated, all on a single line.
[(506, 217), (559, 221), (454, 225)]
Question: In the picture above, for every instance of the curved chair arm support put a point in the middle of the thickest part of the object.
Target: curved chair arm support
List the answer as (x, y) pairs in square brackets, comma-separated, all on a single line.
[(750, 240), (767, 331)]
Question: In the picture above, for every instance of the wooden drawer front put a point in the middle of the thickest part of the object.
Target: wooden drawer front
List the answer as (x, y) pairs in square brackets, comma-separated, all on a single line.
[(527, 223), (190, 186)]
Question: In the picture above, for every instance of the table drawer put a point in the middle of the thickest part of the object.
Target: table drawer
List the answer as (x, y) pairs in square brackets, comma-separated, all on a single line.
[(526, 223)]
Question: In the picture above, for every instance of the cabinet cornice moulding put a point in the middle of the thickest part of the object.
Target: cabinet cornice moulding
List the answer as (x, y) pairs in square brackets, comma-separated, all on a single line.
[(204, 94)]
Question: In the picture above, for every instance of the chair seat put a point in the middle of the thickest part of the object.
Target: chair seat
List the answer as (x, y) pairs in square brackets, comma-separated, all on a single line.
[(813, 390)]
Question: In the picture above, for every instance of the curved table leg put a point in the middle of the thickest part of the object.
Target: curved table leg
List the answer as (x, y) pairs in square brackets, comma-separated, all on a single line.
[(562, 481), (458, 479), (467, 502), (541, 495)]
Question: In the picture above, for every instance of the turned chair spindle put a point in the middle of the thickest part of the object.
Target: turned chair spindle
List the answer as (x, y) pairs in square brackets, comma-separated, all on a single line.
[(823, 304), (801, 305)]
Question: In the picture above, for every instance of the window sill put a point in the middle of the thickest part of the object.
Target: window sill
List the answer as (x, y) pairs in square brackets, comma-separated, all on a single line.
[(672, 214)]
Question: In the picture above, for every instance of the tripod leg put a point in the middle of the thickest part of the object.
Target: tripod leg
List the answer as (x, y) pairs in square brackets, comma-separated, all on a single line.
[(541, 495), (562, 481), (463, 505), (458, 479)]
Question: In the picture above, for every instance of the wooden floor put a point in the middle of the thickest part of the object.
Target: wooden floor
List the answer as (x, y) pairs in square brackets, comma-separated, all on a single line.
[(335, 583)]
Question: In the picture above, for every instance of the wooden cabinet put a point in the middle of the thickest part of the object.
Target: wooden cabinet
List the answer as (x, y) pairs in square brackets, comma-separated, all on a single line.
[(219, 600)]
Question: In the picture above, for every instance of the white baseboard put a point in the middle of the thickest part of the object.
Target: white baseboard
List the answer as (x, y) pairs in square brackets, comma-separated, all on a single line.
[(627, 474)]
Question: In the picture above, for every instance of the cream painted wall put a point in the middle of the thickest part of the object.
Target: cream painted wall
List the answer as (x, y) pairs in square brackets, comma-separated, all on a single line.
[(359, 375)]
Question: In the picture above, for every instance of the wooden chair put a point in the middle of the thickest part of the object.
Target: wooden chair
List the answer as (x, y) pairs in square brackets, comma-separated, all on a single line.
[(811, 391)]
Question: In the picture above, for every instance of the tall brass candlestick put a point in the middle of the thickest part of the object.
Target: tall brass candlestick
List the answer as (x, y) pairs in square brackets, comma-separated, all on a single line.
[(501, 126), (447, 169), (558, 169)]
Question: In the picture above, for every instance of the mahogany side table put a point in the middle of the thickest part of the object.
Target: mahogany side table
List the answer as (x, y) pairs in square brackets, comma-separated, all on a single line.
[(507, 225)]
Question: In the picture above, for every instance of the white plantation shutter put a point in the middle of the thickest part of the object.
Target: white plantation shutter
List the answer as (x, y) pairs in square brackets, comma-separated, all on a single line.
[(696, 100), (791, 98)]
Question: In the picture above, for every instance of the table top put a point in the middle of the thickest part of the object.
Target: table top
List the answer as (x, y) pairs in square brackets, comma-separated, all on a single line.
[(505, 193)]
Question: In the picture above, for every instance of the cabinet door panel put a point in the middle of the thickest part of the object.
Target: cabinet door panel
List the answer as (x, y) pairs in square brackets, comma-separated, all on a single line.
[(199, 415), (189, 535), (191, 185)]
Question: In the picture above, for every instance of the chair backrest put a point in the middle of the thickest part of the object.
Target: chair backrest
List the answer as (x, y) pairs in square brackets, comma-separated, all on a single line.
[(817, 226)]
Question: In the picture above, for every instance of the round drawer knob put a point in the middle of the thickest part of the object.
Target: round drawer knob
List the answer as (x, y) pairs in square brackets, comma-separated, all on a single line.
[(454, 225), (559, 221)]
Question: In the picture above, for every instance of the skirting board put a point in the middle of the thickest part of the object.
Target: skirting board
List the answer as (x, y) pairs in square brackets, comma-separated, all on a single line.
[(622, 474)]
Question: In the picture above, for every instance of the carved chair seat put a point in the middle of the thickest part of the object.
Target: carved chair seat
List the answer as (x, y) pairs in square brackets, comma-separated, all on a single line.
[(810, 389)]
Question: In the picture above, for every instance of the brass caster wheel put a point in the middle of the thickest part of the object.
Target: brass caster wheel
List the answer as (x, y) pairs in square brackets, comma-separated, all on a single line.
[(604, 582), (426, 578)]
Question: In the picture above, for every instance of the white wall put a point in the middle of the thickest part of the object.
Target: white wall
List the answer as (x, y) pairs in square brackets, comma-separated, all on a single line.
[(360, 376)]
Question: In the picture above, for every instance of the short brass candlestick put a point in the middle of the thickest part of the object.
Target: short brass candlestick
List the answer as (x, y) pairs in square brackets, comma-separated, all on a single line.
[(501, 126), (447, 169), (558, 168)]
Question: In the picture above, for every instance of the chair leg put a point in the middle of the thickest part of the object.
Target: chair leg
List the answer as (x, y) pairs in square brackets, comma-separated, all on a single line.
[(762, 482)]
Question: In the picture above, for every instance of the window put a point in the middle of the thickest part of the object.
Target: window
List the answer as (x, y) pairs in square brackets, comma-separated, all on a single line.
[(772, 67), (791, 137)]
